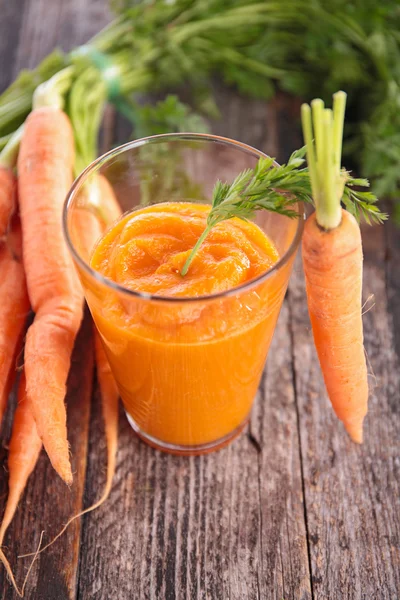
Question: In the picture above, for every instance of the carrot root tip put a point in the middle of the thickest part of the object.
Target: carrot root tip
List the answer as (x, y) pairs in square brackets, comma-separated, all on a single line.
[(355, 431)]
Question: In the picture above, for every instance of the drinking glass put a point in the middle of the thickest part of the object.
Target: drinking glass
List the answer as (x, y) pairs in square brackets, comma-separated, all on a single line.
[(187, 369)]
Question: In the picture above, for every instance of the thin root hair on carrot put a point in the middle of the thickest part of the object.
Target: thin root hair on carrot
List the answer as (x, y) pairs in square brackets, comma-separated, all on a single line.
[(370, 298), (36, 554), (10, 574)]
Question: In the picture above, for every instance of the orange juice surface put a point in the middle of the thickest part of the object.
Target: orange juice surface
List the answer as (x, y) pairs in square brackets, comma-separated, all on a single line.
[(187, 367)]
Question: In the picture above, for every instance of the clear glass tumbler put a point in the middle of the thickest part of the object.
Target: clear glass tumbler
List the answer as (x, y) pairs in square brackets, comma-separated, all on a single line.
[(187, 368)]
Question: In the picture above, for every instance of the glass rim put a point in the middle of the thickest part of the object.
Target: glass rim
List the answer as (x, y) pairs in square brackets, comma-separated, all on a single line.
[(116, 287)]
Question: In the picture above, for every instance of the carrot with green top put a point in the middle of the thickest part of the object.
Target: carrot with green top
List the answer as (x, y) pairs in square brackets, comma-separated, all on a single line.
[(45, 164), (333, 266)]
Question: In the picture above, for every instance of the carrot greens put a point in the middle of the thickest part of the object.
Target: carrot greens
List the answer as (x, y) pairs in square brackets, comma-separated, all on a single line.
[(298, 46)]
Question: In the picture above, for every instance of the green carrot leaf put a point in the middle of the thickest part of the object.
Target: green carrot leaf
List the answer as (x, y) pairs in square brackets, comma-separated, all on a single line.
[(266, 187)]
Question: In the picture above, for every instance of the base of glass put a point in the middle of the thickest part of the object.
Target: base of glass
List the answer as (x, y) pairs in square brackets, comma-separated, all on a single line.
[(181, 450)]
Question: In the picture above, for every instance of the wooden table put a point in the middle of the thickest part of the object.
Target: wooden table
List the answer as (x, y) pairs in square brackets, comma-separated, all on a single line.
[(292, 509)]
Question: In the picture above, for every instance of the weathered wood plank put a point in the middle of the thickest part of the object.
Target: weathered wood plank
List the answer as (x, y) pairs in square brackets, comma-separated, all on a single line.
[(10, 27), (392, 257), (352, 492), (285, 569), (57, 24), (47, 503)]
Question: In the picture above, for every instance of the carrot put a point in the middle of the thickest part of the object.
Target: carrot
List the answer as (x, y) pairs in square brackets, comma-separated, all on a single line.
[(332, 259), (45, 165), (7, 198), (109, 402), (14, 308), (8, 158), (24, 450), (91, 230), (333, 268)]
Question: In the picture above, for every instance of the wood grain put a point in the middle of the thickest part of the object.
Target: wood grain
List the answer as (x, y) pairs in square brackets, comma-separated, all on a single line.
[(285, 569), (227, 525)]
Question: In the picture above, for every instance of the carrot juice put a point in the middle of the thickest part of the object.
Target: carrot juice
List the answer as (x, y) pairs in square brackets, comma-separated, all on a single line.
[(187, 352), (187, 373)]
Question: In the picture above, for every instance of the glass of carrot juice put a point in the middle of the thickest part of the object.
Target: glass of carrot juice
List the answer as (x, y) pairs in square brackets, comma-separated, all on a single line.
[(187, 352)]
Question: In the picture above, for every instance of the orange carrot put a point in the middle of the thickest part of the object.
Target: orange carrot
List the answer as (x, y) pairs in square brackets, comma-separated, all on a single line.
[(14, 308), (45, 165), (7, 198), (24, 450), (332, 259), (8, 159), (333, 268), (109, 402), (91, 229)]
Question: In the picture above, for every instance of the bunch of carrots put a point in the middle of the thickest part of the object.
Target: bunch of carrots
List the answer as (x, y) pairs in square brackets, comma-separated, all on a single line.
[(38, 274)]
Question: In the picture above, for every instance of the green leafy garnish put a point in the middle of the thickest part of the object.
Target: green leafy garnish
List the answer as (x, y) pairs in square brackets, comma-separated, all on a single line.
[(267, 186), (362, 205)]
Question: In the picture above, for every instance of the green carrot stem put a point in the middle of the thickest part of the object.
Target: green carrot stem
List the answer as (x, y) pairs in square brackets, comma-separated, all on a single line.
[(52, 91), (14, 109), (194, 250), (9, 154), (329, 212), (4, 140), (317, 107), (324, 157), (339, 105), (311, 157)]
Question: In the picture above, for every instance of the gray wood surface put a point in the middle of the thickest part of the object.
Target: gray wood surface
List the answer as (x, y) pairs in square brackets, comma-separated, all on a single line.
[(292, 509)]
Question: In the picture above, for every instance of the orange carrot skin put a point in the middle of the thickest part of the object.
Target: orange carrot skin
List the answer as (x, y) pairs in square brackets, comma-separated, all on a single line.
[(333, 269), (14, 309), (45, 174), (24, 450), (7, 198)]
